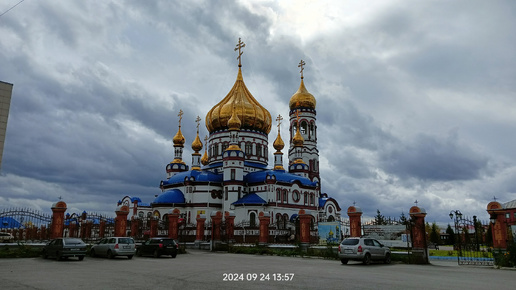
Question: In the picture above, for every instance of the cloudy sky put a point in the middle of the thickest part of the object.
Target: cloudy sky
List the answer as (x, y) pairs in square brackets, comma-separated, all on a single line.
[(416, 100)]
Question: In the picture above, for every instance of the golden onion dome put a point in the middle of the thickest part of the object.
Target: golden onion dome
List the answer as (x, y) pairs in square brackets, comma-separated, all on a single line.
[(179, 139), (251, 114), (302, 98), (197, 144), (204, 159), (278, 143), (298, 140)]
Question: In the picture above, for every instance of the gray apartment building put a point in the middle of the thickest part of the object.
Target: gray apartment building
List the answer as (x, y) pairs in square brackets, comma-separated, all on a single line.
[(6, 90)]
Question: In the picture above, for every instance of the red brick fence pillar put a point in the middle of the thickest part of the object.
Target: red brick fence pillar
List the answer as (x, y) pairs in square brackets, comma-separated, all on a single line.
[(418, 235), (57, 228), (355, 221), (498, 224)]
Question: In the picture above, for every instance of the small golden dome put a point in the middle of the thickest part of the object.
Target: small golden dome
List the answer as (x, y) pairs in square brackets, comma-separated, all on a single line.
[(278, 143), (251, 114), (204, 159), (234, 122), (179, 139), (302, 98), (298, 140), (197, 144)]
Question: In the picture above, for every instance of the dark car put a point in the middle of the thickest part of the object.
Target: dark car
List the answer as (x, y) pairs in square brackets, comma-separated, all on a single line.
[(157, 247), (61, 248)]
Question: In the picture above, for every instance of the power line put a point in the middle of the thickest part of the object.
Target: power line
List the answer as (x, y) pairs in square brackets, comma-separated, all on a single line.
[(11, 7)]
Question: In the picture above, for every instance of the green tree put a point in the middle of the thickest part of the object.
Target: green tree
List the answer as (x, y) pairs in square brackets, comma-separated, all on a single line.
[(434, 234), (451, 235), (489, 237), (403, 219), (428, 230), (379, 219)]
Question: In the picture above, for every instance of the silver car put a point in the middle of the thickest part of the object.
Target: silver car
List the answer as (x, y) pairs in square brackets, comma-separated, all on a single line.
[(363, 249), (114, 246)]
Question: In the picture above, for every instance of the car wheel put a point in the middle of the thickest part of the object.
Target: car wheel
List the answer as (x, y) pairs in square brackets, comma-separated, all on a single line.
[(130, 257), (81, 258), (92, 253), (138, 253), (344, 261), (156, 254), (58, 256), (110, 255), (174, 255), (387, 258), (367, 259), (44, 254)]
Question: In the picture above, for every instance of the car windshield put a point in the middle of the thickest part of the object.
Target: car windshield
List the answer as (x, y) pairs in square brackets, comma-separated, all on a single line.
[(350, 242), (72, 241)]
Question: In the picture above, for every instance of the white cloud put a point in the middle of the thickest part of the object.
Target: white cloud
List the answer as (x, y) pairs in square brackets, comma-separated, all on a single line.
[(414, 100)]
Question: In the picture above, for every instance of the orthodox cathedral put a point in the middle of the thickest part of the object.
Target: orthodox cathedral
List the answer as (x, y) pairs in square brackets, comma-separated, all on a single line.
[(233, 175)]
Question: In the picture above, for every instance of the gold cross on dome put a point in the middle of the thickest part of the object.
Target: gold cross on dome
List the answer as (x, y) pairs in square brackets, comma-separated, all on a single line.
[(415, 202), (198, 121), (239, 46), (180, 117), (301, 64), (297, 111), (279, 118)]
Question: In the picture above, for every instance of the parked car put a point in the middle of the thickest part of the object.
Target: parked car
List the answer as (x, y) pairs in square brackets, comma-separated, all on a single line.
[(363, 249), (158, 247), (114, 246), (65, 247), (6, 237)]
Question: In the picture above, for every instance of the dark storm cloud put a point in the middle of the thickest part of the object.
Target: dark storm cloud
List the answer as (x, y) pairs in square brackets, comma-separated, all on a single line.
[(431, 158)]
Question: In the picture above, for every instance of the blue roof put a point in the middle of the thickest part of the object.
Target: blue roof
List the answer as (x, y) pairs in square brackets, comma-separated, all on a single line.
[(170, 196), (322, 201), (281, 176), (136, 198), (9, 223), (251, 198), (206, 176)]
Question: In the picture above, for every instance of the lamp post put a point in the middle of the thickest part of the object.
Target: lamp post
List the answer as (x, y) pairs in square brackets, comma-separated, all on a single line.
[(456, 215)]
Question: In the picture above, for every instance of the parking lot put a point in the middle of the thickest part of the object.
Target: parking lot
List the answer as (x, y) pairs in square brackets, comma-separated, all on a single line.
[(211, 270)]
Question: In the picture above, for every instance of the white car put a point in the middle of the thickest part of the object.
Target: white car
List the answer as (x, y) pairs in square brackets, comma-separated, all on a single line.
[(363, 249), (6, 237), (114, 246)]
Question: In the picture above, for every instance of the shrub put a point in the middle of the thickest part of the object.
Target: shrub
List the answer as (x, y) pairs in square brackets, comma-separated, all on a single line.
[(21, 251)]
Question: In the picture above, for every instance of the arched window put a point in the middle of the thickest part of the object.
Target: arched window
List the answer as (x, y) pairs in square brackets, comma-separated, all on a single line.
[(248, 148), (311, 199), (285, 196), (285, 220), (252, 219), (278, 194), (259, 150), (305, 201), (303, 128), (312, 131)]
